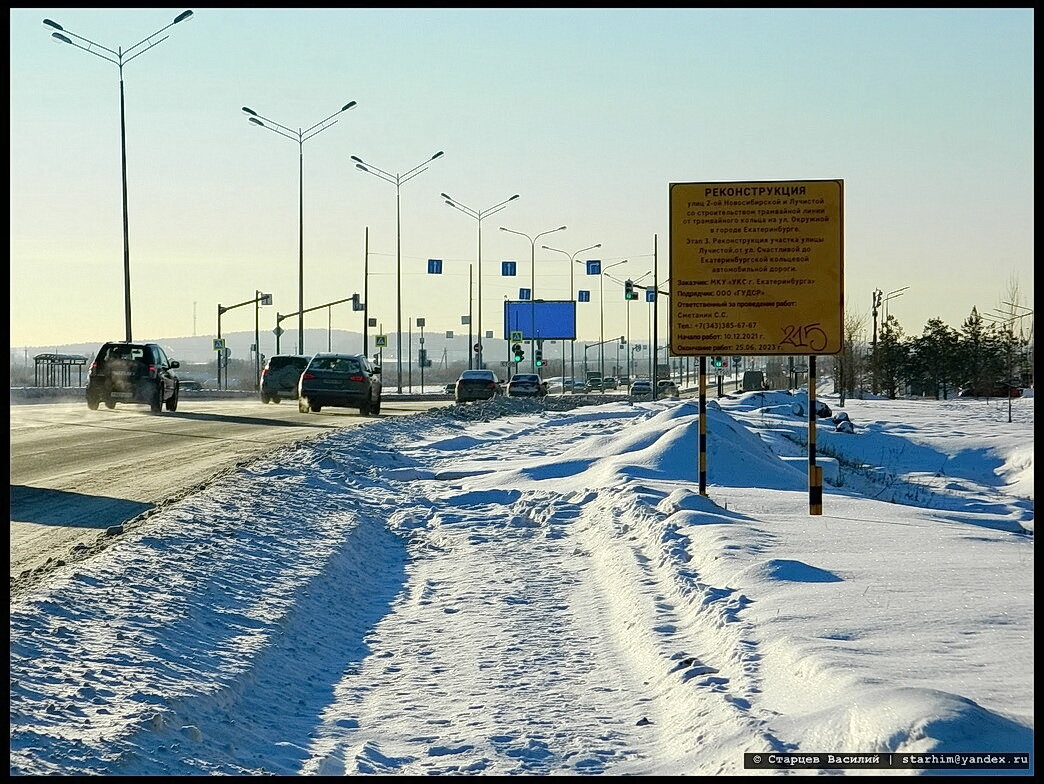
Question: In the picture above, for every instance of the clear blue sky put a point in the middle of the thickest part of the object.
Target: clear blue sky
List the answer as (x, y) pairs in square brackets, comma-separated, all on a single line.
[(589, 115)]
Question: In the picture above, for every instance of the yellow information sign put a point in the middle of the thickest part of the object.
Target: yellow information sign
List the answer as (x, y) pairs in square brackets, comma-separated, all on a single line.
[(756, 268)]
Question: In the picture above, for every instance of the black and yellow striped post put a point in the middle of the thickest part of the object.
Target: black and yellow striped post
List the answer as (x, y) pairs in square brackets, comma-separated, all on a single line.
[(703, 426), (815, 473)]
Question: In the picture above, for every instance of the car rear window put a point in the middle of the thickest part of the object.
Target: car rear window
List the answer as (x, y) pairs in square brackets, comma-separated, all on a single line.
[(276, 363), (337, 364), (484, 375), (133, 353)]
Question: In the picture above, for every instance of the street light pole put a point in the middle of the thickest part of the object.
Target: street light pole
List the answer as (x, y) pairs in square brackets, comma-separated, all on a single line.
[(892, 295), (478, 215), (397, 180), (630, 352), (299, 136), (572, 298), (532, 285), (601, 319), (122, 57)]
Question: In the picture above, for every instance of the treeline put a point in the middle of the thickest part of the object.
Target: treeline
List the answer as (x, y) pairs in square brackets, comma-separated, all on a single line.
[(938, 362)]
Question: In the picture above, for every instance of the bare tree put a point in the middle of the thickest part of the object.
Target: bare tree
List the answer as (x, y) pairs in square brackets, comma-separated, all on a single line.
[(848, 362)]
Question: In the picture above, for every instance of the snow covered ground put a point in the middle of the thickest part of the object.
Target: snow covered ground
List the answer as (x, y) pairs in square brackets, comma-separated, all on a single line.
[(504, 588)]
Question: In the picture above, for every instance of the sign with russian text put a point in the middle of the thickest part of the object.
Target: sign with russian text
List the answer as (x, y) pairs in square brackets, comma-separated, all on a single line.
[(756, 268)]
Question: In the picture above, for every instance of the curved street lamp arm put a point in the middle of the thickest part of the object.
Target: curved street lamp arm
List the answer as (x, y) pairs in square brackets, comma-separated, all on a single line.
[(296, 134), (519, 233), (466, 210), (344, 108), (278, 130), (375, 170), (65, 40), (57, 26), (550, 231), (497, 207), (414, 171), (306, 136), (493, 210), (377, 173), (180, 18), (138, 54)]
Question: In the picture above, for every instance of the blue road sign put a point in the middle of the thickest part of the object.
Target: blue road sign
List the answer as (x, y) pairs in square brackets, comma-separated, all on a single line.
[(508, 268), (583, 296), (594, 267)]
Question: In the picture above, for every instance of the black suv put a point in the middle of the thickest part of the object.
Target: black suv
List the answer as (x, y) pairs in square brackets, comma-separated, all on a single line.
[(345, 380), (280, 376), (125, 372)]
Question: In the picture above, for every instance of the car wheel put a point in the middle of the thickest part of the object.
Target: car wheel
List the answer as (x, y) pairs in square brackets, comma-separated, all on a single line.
[(172, 403), (364, 409), (302, 405), (92, 403), (375, 409), (315, 408), (156, 399), (275, 399), (266, 398), (110, 404)]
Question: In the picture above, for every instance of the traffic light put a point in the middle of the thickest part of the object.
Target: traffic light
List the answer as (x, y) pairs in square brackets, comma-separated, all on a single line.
[(517, 353), (629, 292), (539, 357), (717, 362)]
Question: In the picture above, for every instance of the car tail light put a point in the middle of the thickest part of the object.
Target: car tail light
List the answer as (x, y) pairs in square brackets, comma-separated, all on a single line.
[(94, 367), (356, 378), (264, 372), (152, 371), (307, 375)]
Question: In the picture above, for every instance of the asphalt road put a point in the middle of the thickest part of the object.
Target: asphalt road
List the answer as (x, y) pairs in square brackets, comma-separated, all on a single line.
[(76, 473)]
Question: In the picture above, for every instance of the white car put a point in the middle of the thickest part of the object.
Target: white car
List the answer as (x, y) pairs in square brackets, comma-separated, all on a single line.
[(642, 387)]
